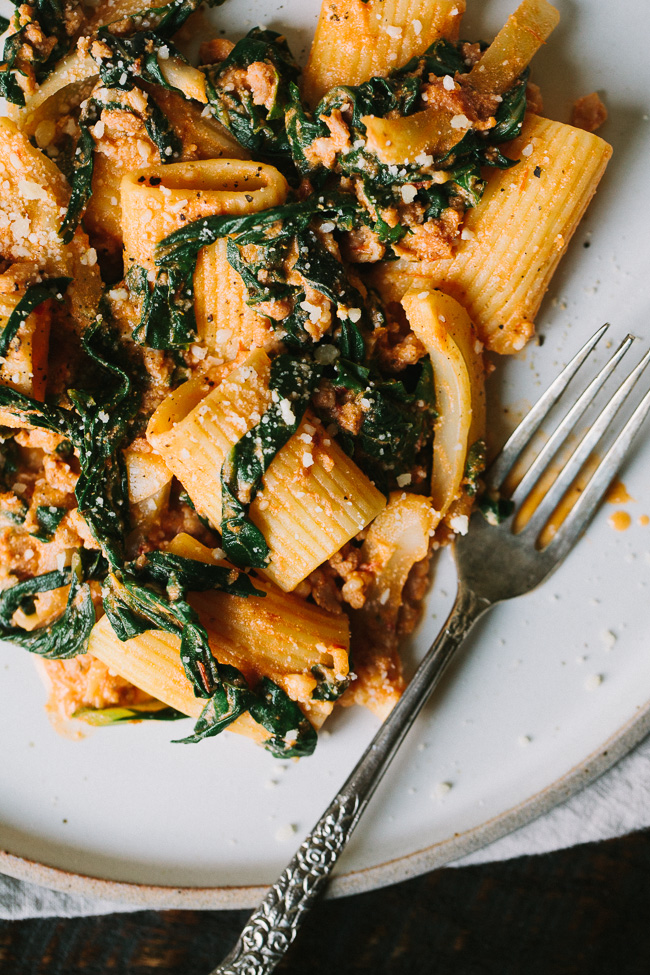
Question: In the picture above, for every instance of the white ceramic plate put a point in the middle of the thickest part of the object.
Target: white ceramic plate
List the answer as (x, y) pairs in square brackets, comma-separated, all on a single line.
[(205, 825)]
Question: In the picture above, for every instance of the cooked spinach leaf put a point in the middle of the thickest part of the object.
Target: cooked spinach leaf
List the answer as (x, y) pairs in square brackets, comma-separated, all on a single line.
[(102, 426), (22, 59), (231, 699), (378, 184), (65, 637), (21, 595), (180, 574), (328, 688), (167, 320), (82, 171), (267, 240), (127, 61), (36, 294), (397, 421), (49, 517), (133, 605), (495, 509), (13, 508), (31, 412), (255, 118), (292, 736), (474, 466)]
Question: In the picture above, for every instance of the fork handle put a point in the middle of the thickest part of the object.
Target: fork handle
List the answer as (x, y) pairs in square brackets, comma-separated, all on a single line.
[(273, 927)]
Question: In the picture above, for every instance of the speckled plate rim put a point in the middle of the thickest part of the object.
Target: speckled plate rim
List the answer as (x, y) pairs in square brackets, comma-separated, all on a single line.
[(148, 896)]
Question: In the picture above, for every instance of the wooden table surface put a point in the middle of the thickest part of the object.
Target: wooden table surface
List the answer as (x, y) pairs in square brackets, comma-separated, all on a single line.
[(584, 910)]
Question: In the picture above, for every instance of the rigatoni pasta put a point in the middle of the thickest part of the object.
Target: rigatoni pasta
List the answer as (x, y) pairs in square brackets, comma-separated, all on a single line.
[(355, 41), (515, 239), (242, 318), (313, 499)]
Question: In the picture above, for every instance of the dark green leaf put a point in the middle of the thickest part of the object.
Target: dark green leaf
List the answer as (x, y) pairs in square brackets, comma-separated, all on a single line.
[(292, 736), (50, 17), (227, 703), (68, 635), (259, 128), (82, 175), (511, 112), (49, 517), (36, 294), (191, 575), (495, 509), (327, 688), (474, 466), (15, 597)]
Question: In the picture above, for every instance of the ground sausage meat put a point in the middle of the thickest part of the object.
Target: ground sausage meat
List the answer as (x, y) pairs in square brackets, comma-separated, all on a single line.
[(588, 113)]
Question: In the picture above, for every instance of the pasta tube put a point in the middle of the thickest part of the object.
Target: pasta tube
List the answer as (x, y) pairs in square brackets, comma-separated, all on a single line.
[(513, 48), (224, 321), (313, 499), (158, 200), (444, 328), (277, 636), (400, 140), (355, 41), (515, 237), (33, 194), (397, 540)]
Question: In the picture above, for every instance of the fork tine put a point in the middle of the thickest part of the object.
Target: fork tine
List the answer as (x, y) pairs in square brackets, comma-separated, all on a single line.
[(572, 468), (500, 467), (569, 422), (587, 504)]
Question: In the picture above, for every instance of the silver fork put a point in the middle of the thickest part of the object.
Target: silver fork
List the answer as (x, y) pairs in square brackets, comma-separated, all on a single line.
[(495, 563)]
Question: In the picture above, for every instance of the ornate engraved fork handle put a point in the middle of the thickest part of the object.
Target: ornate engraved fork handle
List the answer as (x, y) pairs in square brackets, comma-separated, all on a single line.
[(272, 928)]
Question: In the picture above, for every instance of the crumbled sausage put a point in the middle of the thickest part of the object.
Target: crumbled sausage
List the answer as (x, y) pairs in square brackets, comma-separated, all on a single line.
[(588, 112)]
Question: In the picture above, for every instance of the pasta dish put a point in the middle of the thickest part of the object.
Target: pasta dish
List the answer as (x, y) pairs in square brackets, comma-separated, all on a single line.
[(243, 316)]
